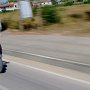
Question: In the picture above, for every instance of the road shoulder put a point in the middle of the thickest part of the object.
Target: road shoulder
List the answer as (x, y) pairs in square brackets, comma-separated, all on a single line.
[(68, 73)]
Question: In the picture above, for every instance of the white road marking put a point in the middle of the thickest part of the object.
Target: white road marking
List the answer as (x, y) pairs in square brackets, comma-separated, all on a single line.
[(47, 57), (3, 88), (50, 72)]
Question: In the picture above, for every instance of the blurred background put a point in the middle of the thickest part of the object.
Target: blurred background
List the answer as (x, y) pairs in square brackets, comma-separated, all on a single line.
[(70, 17)]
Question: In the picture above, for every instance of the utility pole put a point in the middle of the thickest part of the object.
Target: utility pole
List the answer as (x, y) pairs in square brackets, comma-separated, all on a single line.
[(25, 11)]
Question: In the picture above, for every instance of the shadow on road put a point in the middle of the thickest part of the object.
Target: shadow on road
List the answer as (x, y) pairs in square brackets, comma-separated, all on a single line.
[(4, 66)]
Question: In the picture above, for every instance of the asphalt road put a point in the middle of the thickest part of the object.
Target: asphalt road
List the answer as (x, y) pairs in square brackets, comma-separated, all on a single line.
[(19, 77), (62, 47)]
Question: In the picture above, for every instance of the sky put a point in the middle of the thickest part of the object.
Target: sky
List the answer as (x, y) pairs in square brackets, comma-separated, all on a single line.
[(3, 0)]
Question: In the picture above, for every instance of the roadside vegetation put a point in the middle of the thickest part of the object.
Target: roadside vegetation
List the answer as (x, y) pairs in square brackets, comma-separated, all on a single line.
[(67, 19), (49, 15)]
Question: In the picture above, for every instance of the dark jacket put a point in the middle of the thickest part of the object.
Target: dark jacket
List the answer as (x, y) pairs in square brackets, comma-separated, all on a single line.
[(0, 49)]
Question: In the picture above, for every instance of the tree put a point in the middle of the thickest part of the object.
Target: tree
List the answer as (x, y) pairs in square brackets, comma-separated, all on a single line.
[(54, 2), (12, 0)]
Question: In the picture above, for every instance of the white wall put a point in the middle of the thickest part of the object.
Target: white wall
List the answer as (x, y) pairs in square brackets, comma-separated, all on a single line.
[(46, 3), (9, 8)]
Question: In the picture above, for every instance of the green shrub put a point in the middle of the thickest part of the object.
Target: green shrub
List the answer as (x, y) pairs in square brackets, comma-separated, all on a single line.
[(35, 9), (87, 1), (68, 3), (49, 14), (54, 2)]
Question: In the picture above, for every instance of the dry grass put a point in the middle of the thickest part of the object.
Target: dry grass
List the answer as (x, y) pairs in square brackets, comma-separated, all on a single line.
[(69, 25), (10, 15)]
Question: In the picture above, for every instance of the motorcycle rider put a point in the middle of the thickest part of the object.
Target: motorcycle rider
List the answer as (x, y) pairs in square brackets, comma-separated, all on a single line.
[(1, 63), (3, 27)]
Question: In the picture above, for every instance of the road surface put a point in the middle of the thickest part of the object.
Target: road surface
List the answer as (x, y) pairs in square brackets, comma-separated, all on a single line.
[(69, 48), (65, 47), (19, 77)]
